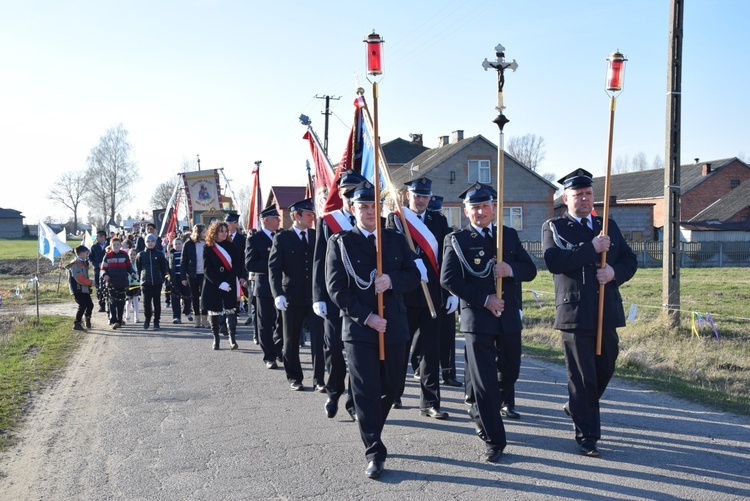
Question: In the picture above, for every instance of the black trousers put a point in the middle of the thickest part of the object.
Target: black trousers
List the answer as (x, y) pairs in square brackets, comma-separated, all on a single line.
[(85, 305), (100, 291), (315, 325), (180, 293), (588, 377), (269, 321), (333, 352), (447, 343), (196, 287), (116, 298), (425, 334), (374, 384), (293, 319), (151, 301), (482, 352)]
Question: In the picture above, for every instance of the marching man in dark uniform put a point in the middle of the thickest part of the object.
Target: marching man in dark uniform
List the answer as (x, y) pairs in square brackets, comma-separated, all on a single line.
[(333, 346), (290, 274), (428, 230), (353, 287), (257, 250), (491, 325), (572, 252)]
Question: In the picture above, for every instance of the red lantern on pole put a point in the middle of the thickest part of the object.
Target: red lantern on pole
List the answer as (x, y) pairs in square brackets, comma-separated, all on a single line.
[(615, 71), (374, 54)]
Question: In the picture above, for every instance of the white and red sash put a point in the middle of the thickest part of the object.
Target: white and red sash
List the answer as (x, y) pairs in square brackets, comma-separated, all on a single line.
[(223, 256), (337, 221), (423, 237)]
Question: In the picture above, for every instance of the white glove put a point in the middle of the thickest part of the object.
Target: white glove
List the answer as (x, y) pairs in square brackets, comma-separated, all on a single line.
[(224, 287), (320, 309), (451, 304), (280, 302), (422, 269)]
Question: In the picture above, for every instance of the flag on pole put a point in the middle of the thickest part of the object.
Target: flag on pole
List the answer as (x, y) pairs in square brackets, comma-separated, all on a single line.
[(86, 241), (254, 206), (63, 235), (323, 171), (113, 228), (50, 246), (350, 160)]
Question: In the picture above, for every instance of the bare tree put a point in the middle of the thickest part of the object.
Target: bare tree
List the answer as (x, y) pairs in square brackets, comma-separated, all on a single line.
[(622, 164), (640, 162), (658, 162), (163, 192), (528, 149), (241, 203), (69, 190), (111, 173)]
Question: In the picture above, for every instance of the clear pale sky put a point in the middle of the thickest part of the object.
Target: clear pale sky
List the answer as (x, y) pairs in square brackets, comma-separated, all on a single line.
[(229, 79)]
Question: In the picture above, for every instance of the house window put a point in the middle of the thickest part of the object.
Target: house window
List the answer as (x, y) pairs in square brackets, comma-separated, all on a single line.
[(733, 183), (453, 214), (479, 171), (636, 236), (513, 217)]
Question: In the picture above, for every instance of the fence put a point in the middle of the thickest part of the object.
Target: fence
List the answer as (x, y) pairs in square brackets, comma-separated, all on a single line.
[(692, 254)]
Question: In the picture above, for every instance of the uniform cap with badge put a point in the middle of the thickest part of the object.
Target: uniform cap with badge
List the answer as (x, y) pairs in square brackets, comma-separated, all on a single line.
[(231, 218), (269, 212), (303, 205), (478, 194), (364, 192), (421, 186), (350, 178), (436, 203), (579, 178)]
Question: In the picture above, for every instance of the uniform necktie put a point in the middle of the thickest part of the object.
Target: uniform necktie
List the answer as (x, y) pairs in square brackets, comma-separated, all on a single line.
[(419, 216), (303, 235), (272, 234), (371, 238), (587, 223), (487, 233), (352, 220)]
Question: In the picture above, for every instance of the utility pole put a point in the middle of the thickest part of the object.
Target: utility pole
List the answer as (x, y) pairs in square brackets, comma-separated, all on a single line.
[(327, 113), (671, 237)]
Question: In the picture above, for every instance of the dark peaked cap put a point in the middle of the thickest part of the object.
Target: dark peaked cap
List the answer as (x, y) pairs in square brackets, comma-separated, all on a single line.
[(436, 203), (270, 212), (579, 178), (363, 192), (478, 194), (231, 218), (350, 178), (305, 204), (421, 186)]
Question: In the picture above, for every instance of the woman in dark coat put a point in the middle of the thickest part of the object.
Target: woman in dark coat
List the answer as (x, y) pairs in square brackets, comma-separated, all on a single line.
[(222, 278), (192, 269)]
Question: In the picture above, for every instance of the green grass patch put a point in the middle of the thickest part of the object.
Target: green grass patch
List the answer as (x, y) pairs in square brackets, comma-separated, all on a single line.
[(30, 356), (689, 362), (19, 248)]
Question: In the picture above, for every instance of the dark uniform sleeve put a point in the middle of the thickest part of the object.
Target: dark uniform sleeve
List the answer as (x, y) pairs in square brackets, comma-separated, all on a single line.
[(563, 260), (626, 263), (452, 277), (408, 276), (319, 292), (276, 265)]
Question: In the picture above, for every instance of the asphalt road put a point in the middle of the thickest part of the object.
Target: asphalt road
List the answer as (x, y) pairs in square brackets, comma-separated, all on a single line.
[(160, 415)]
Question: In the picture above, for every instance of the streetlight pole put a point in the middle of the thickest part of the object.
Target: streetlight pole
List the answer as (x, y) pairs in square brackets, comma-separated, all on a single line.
[(615, 73)]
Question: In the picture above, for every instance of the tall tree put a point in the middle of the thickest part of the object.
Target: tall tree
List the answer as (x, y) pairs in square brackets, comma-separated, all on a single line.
[(622, 164), (640, 162), (658, 162), (111, 173), (69, 191), (528, 149), (163, 192)]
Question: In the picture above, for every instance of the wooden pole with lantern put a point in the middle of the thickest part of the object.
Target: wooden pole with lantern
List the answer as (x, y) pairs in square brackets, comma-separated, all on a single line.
[(615, 72), (500, 65), (375, 69)]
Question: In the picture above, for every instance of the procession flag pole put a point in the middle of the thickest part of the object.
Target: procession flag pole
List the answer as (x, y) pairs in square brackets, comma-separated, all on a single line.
[(500, 65), (615, 72), (374, 69)]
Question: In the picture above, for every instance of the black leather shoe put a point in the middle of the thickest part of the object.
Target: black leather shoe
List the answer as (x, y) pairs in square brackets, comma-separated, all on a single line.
[(297, 387), (352, 414), (468, 400), (452, 382), (434, 413), (566, 408), (509, 412), (492, 455), (588, 449), (320, 388), (396, 404), (331, 407), (374, 469), (248, 321), (271, 365)]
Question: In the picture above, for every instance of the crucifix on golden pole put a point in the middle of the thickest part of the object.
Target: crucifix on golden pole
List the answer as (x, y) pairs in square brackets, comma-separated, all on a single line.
[(500, 65), (375, 69), (615, 72)]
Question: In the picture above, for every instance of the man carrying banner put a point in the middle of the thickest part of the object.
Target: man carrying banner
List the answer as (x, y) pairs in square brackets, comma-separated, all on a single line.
[(257, 251), (333, 346), (491, 325), (353, 285), (428, 230)]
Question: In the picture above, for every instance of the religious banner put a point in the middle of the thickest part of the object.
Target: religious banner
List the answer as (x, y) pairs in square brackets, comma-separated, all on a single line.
[(202, 190)]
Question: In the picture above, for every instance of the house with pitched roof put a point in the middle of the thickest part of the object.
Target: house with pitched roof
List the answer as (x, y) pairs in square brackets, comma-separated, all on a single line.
[(11, 223), (459, 162), (727, 219), (283, 197), (400, 151)]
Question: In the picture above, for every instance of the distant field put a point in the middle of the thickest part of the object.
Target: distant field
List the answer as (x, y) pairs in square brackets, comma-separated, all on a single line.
[(18, 248)]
